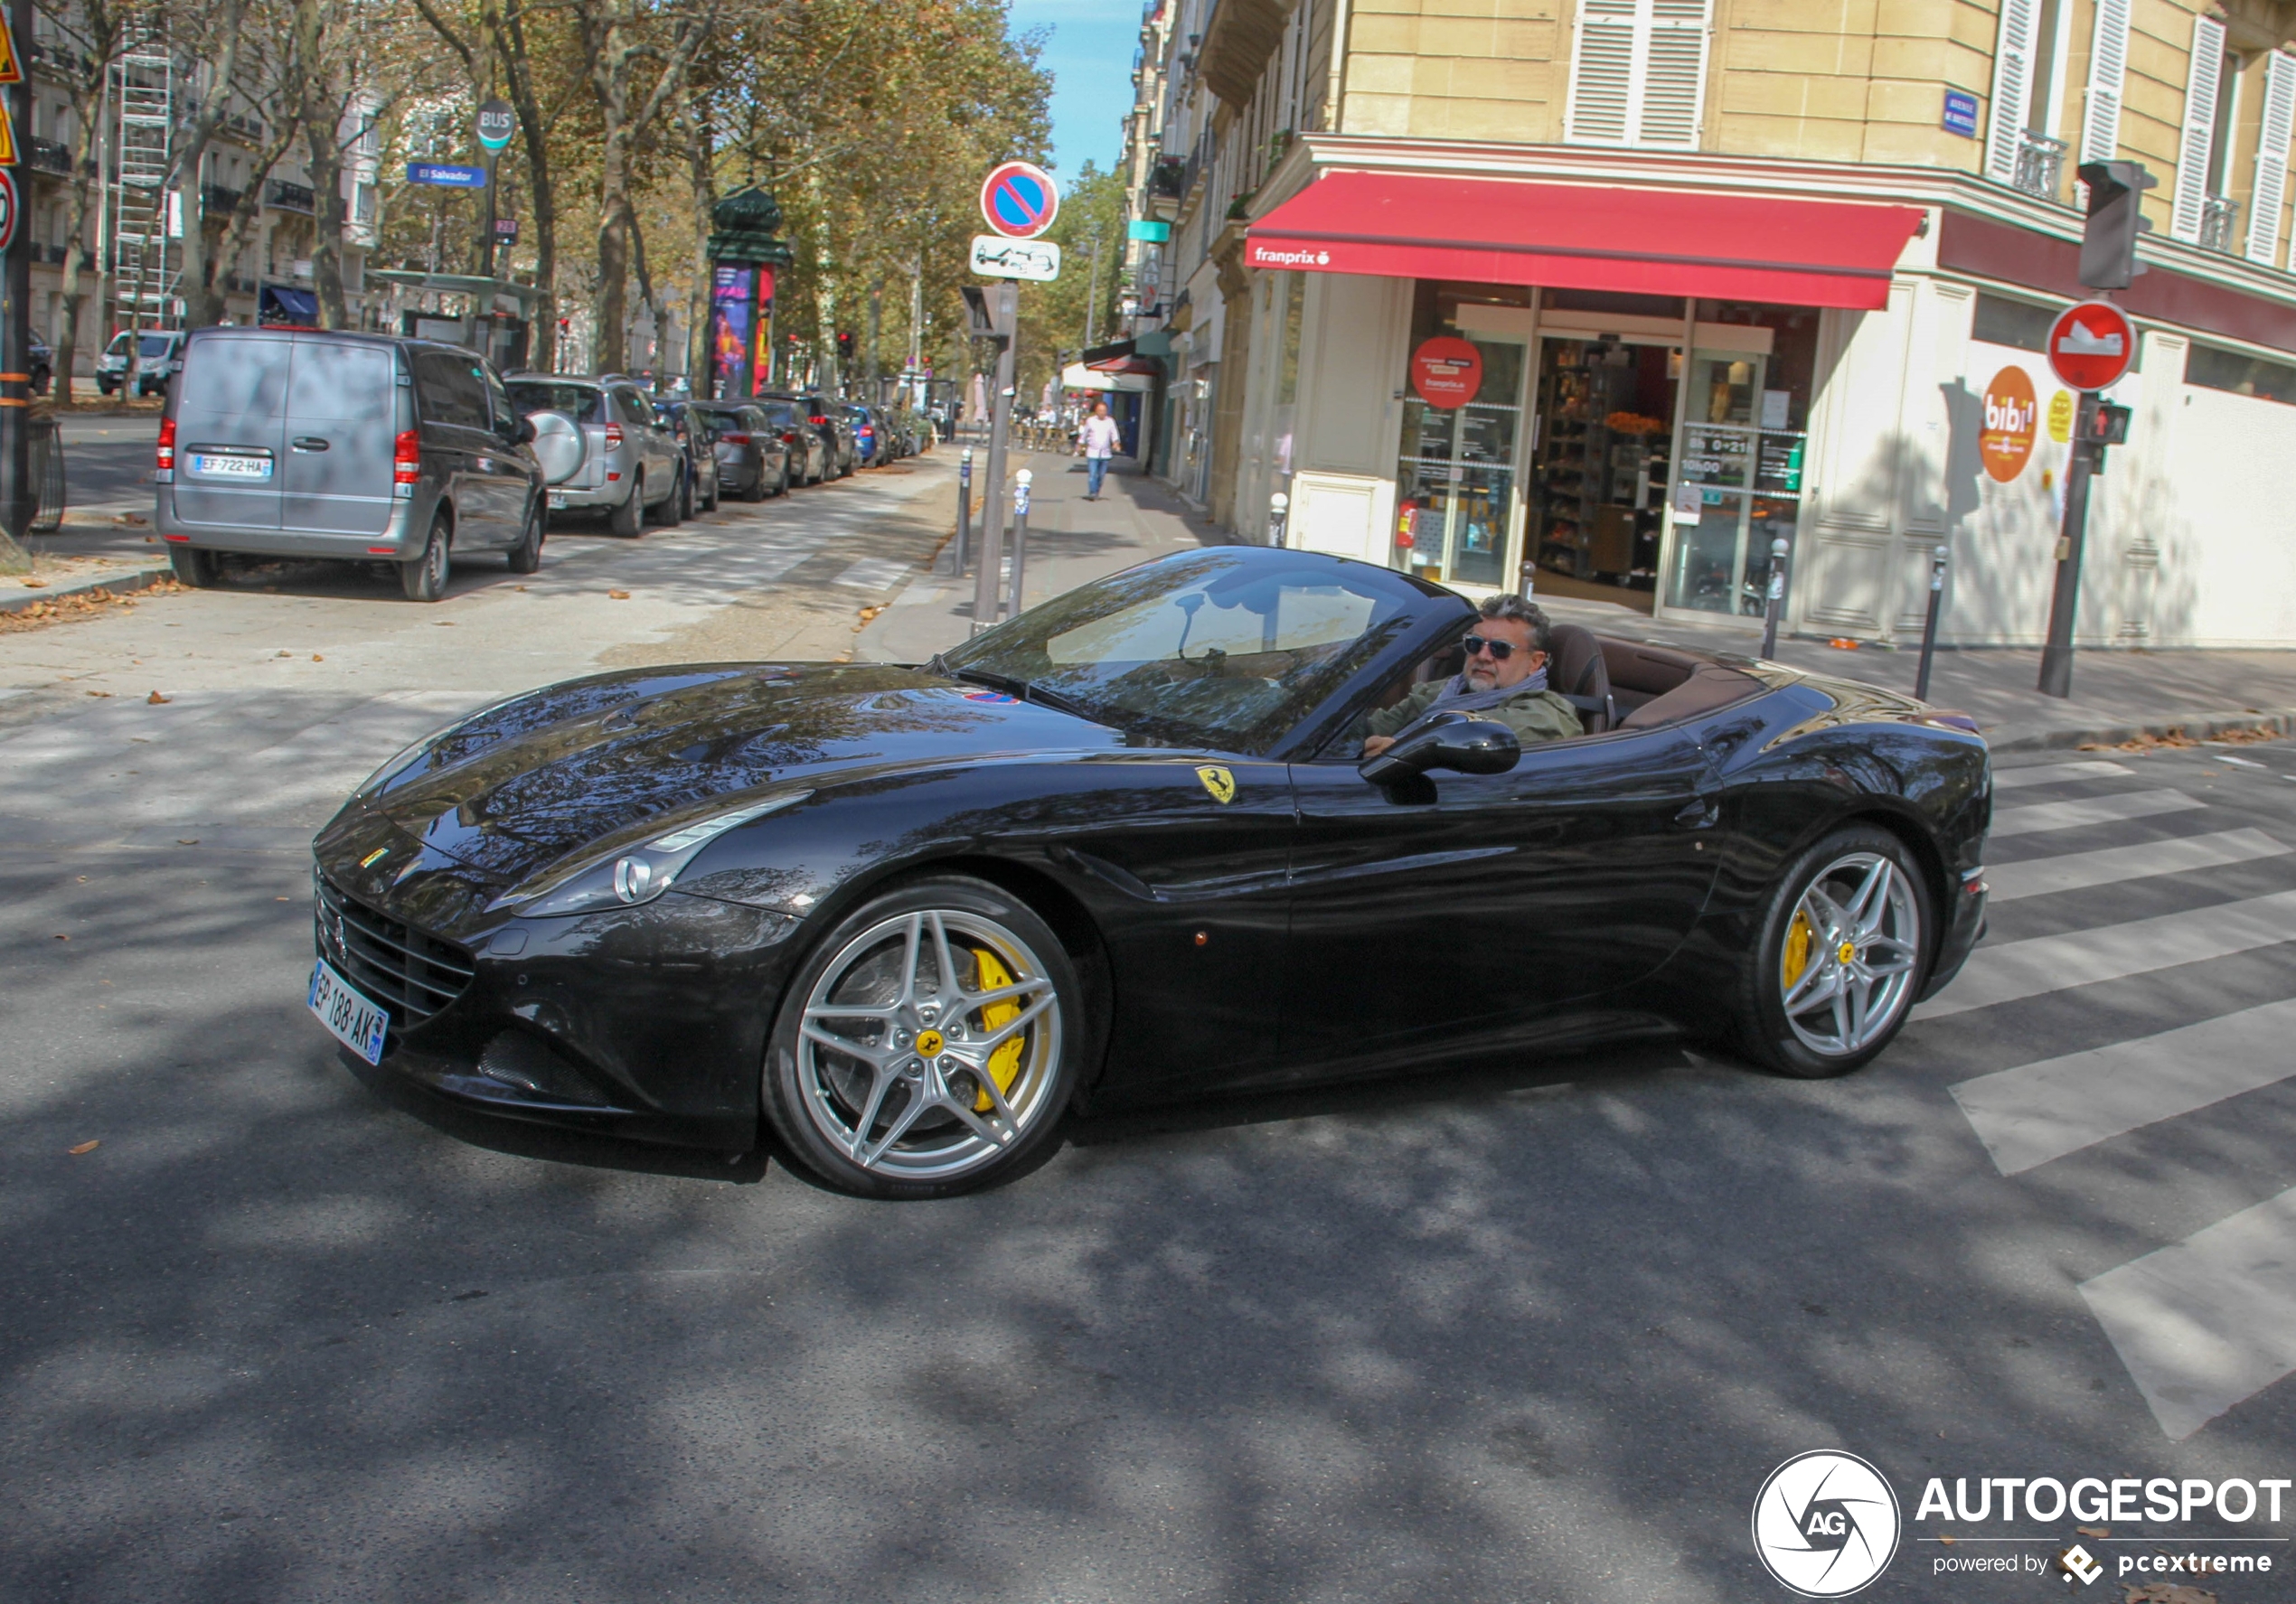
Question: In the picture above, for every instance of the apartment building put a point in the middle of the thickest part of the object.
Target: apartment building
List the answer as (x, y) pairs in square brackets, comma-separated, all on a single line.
[(132, 251), (1604, 297)]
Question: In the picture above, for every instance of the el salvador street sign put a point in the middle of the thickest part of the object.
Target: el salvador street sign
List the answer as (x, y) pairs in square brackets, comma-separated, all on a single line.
[(496, 123), (1961, 113), (1019, 201), (451, 177), (996, 257), (2091, 345)]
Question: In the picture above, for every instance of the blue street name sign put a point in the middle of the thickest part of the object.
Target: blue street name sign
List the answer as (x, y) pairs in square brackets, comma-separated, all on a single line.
[(1961, 113), (453, 178)]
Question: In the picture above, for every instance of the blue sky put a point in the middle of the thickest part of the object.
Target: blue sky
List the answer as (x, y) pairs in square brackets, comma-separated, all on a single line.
[(1089, 55)]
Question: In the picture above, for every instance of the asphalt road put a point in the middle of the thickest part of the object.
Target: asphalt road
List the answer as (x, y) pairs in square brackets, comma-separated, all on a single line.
[(1519, 1331), (108, 460)]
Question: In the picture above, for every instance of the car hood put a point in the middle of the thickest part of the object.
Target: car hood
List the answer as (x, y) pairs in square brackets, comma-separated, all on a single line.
[(519, 786)]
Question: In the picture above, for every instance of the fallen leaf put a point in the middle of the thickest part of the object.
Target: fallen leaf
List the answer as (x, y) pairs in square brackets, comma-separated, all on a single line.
[(444, 623), (2095, 1531), (286, 655), (84, 1147), (157, 700), (63, 938), (1948, 1542), (35, 584), (187, 840), (617, 596), (99, 693), (280, 899), (315, 657), (522, 587)]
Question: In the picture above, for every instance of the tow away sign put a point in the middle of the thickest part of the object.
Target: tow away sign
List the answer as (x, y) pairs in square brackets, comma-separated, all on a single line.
[(996, 257)]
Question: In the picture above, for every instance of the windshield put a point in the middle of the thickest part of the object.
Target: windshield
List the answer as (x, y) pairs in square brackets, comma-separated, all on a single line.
[(581, 402), (156, 346), (1225, 649)]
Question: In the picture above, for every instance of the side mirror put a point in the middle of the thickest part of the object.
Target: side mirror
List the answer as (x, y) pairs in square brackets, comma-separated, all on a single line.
[(1468, 746)]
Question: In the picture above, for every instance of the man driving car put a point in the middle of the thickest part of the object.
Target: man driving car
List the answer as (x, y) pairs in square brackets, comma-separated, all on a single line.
[(1504, 679)]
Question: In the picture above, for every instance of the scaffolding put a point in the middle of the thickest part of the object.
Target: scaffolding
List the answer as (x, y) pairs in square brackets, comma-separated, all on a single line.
[(146, 220)]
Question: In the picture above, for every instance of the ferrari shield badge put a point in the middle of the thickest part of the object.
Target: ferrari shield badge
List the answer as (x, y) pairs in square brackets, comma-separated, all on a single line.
[(1218, 782)]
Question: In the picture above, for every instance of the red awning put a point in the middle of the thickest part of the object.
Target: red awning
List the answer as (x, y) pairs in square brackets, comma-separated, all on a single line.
[(1127, 364), (1648, 241)]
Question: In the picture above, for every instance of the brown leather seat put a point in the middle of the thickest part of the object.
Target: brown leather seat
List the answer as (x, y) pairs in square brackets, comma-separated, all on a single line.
[(1711, 686), (1577, 672)]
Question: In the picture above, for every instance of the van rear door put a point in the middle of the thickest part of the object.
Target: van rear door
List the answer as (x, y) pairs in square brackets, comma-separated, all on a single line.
[(342, 420), (230, 431)]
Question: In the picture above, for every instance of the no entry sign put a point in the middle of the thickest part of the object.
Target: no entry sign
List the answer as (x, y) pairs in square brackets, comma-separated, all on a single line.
[(1019, 201), (2091, 345)]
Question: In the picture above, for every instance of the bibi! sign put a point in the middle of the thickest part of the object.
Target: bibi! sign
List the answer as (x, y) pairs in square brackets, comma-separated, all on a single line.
[(2005, 444), (2092, 344)]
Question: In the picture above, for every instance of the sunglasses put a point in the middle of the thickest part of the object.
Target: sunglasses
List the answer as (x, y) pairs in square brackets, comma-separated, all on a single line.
[(1501, 651)]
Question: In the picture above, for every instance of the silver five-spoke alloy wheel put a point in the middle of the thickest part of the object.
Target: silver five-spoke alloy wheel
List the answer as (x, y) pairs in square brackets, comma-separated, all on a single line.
[(1851, 952), (929, 1044)]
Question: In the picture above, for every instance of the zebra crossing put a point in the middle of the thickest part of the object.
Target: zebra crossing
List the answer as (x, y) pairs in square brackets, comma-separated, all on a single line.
[(2207, 1321)]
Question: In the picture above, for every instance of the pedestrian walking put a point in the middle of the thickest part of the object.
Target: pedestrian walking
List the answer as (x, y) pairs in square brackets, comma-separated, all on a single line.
[(1097, 442)]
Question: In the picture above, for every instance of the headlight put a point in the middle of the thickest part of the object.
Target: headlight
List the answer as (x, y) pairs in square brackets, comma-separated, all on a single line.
[(637, 875)]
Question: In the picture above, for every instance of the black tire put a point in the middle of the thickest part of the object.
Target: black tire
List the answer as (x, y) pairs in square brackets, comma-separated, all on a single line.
[(665, 511), (628, 520), (682, 498), (107, 385), (526, 557), (782, 488), (812, 1093), (425, 578), (194, 567), (1870, 956)]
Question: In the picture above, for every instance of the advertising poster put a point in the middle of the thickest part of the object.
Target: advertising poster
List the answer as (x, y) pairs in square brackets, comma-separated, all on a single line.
[(729, 326)]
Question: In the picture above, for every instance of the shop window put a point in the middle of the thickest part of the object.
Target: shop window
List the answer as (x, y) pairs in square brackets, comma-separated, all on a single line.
[(2019, 324), (1461, 419), (2211, 366)]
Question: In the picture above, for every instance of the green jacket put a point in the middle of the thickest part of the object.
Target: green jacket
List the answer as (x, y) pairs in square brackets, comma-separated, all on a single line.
[(1533, 715)]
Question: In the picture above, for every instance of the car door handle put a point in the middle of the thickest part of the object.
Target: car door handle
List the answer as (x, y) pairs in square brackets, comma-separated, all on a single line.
[(309, 443), (1698, 813)]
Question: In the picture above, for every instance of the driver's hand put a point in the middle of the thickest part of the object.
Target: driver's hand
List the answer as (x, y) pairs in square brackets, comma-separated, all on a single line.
[(1375, 745)]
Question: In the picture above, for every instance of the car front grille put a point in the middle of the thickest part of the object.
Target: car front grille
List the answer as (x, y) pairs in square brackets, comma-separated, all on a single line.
[(412, 975)]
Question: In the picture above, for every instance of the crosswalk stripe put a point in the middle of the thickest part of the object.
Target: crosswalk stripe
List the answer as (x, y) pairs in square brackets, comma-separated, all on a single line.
[(2056, 773), (2206, 1322), (2036, 1112), (2046, 963), (2108, 865), (2094, 810)]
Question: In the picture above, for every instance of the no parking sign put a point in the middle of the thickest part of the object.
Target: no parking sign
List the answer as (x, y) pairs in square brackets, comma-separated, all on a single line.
[(1018, 200)]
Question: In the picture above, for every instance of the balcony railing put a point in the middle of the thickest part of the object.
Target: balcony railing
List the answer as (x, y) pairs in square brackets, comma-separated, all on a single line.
[(290, 197), (2040, 167), (217, 199), (49, 156), (1168, 178), (2217, 214)]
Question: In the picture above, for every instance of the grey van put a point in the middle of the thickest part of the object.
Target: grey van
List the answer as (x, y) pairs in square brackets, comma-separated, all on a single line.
[(366, 447)]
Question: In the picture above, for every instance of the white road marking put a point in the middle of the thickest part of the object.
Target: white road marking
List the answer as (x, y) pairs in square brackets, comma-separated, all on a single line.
[(2056, 773), (2040, 877), (872, 573), (2095, 810), (2247, 763), (2036, 1112), (2048, 964), (2206, 1322)]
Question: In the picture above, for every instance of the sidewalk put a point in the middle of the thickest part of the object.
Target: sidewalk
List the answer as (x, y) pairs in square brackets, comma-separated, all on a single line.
[(1070, 540), (2117, 695)]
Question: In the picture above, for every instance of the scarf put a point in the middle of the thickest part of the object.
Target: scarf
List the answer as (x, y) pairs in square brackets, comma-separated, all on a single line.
[(1458, 698)]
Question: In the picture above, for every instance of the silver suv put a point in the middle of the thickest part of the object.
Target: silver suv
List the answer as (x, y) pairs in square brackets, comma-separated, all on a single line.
[(633, 466)]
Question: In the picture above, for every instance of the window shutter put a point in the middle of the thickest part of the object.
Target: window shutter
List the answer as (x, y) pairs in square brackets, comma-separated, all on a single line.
[(1674, 76), (1603, 72), (2108, 71), (2012, 86), (1638, 73), (2200, 128), (2271, 158)]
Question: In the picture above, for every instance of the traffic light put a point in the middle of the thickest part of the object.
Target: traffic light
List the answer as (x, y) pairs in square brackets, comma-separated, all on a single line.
[(2108, 241), (845, 347)]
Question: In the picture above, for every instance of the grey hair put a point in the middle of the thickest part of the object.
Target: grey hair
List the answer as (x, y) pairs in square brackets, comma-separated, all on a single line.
[(1523, 611)]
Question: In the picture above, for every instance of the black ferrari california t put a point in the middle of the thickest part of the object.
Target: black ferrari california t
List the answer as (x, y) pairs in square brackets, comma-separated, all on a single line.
[(1122, 848)]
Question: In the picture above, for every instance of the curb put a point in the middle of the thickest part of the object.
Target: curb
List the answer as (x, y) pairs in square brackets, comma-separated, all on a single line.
[(2197, 726), (118, 585)]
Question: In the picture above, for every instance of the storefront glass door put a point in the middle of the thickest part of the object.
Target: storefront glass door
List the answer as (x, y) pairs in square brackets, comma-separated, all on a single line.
[(1463, 414), (1737, 487), (1606, 441)]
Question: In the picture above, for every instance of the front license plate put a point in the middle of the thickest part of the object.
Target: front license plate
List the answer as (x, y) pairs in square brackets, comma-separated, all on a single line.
[(558, 498), (232, 467), (354, 1021)]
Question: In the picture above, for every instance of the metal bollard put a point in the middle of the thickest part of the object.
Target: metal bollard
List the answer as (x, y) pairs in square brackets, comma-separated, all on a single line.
[(1278, 506), (965, 511), (1777, 596), (1022, 481), (1937, 560)]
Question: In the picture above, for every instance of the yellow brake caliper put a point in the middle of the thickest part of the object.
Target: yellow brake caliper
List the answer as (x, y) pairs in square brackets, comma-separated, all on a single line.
[(1005, 1064), (1797, 953)]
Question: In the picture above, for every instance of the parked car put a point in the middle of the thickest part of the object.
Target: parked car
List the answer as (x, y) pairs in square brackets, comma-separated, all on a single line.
[(812, 443), (752, 459), (872, 442), (137, 361), (836, 424), (697, 442), (41, 364), (367, 448), (632, 467)]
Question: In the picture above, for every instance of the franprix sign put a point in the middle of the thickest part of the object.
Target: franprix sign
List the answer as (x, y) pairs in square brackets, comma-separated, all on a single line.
[(2091, 345), (1448, 371), (2011, 411)]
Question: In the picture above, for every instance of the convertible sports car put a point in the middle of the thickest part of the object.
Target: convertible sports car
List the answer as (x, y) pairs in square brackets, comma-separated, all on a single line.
[(1122, 848)]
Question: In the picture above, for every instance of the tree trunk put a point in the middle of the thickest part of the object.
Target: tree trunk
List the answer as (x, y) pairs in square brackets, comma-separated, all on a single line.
[(508, 27), (701, 305)]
